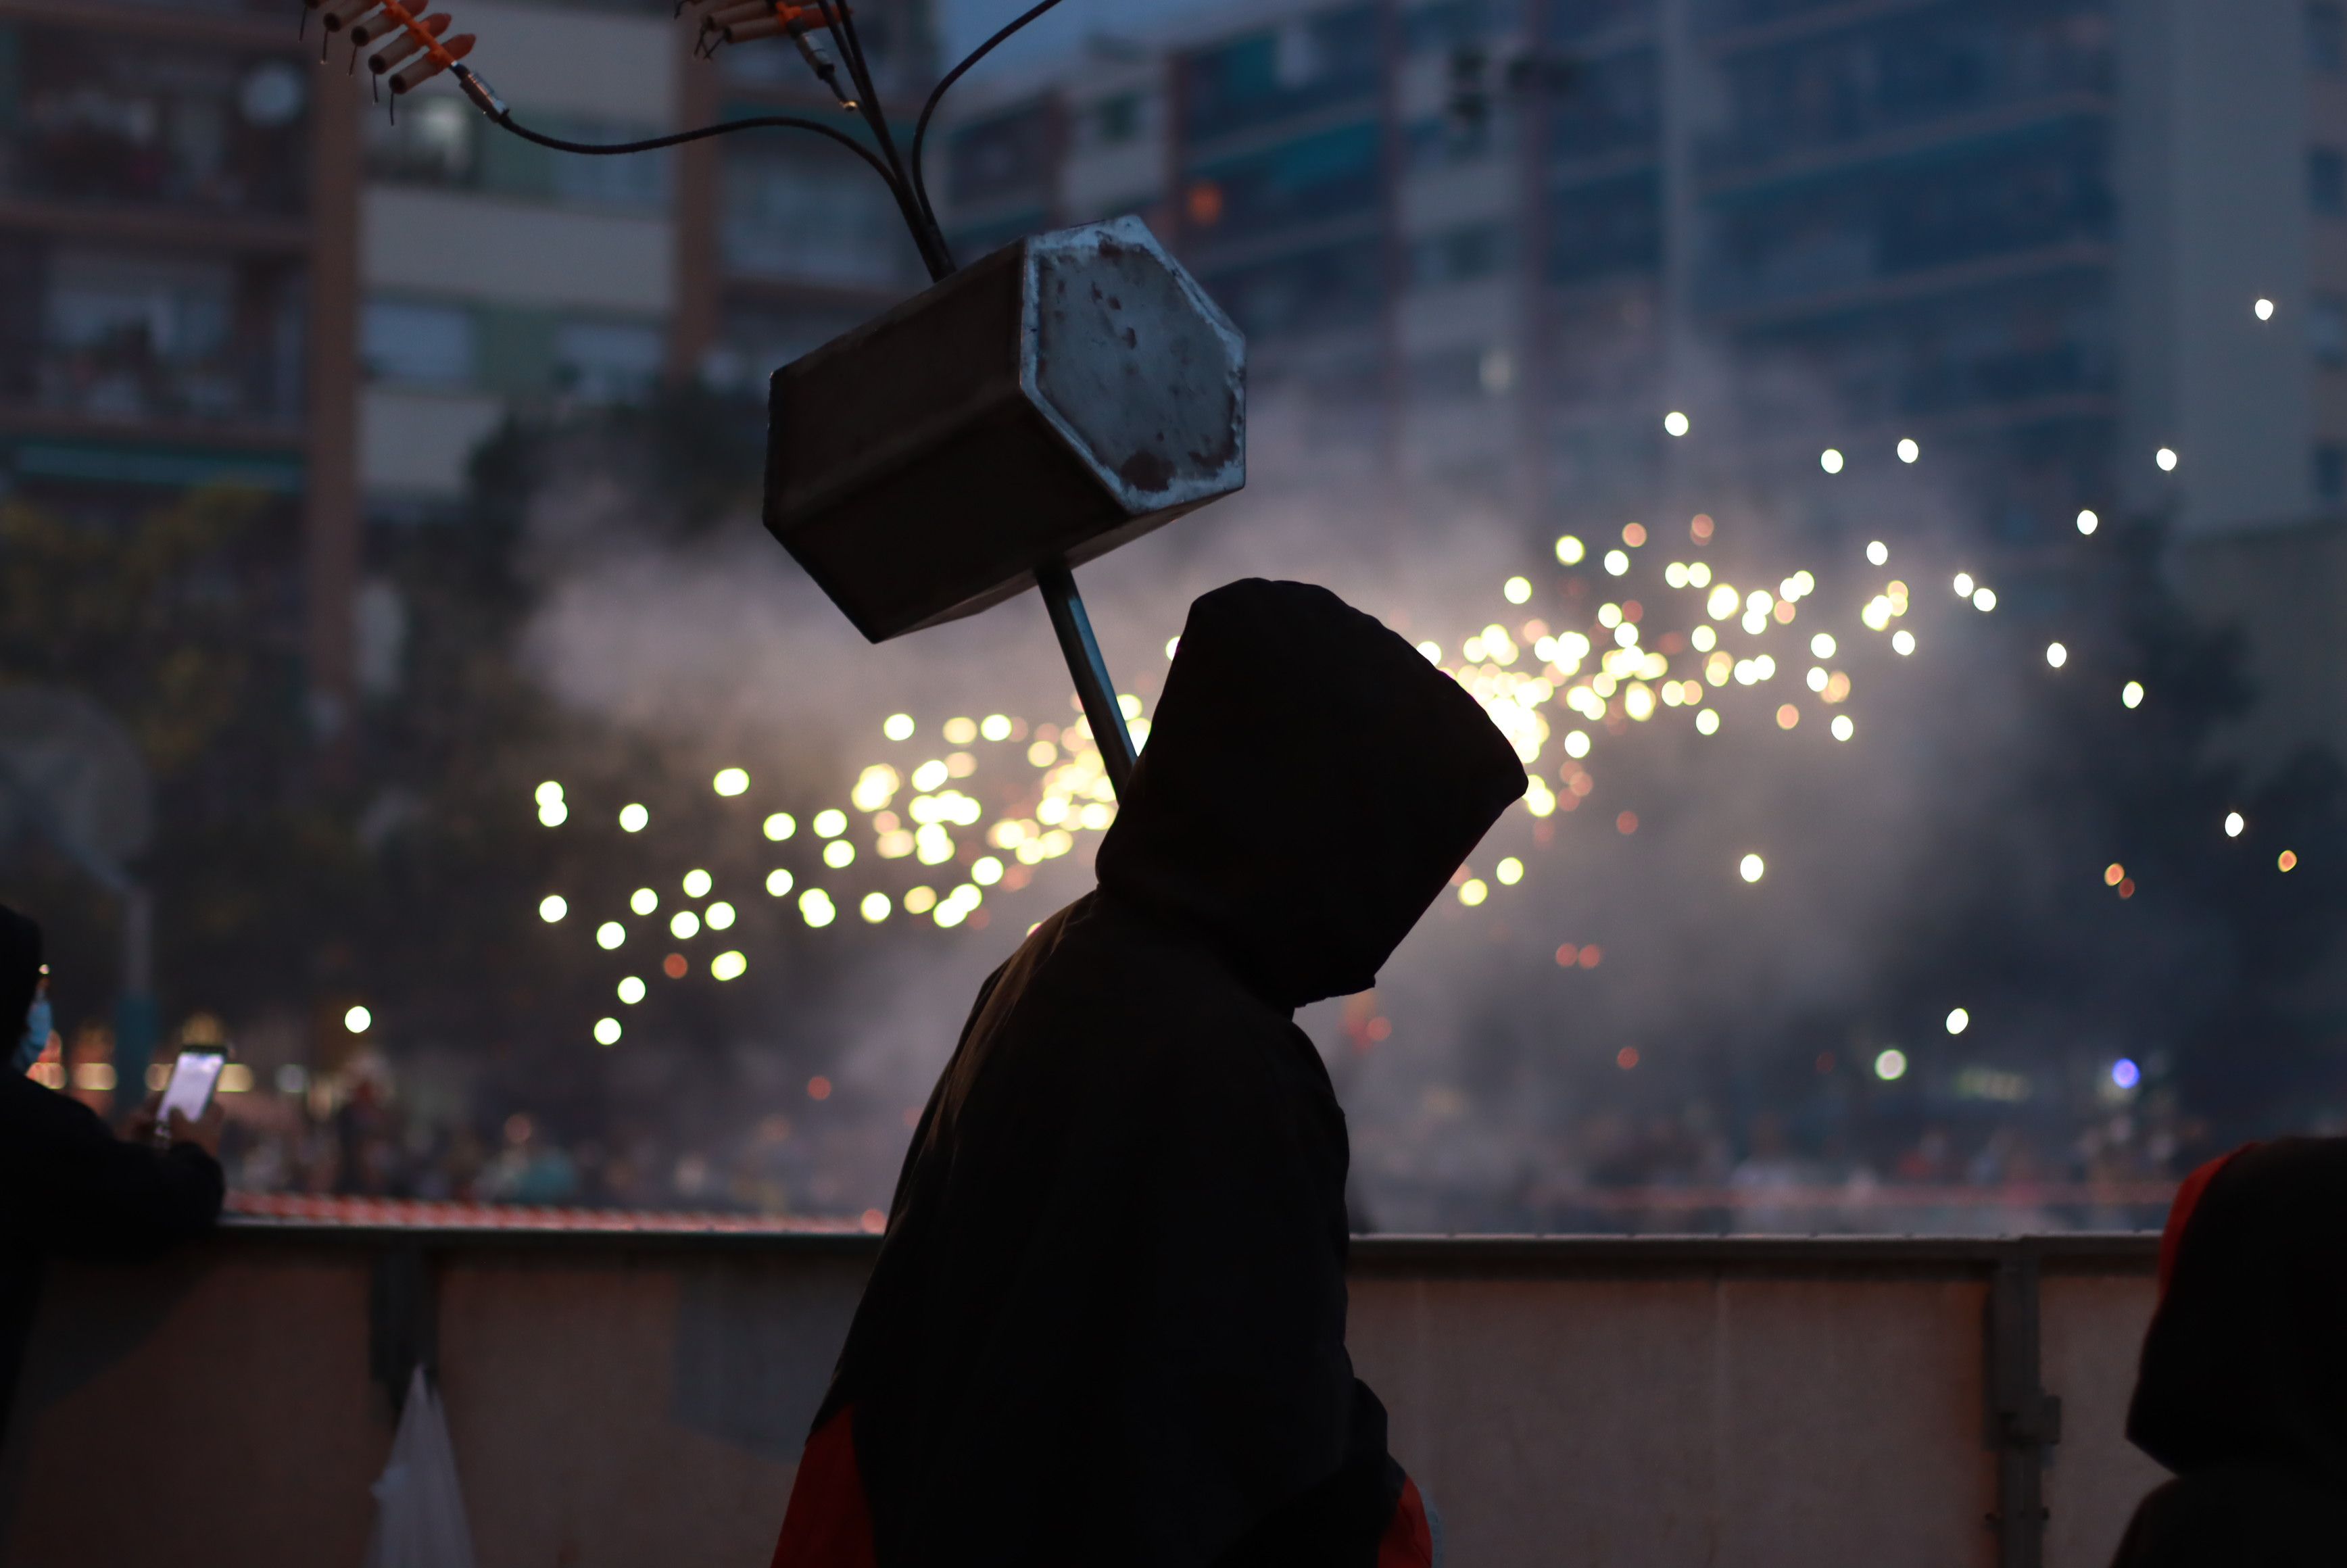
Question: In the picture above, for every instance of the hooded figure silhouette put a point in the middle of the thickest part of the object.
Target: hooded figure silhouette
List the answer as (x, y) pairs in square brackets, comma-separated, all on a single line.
[(2243, 1388), (1107, 1322)]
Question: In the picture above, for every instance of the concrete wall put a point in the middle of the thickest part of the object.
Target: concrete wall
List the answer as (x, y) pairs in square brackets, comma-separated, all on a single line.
[(625, 1401)]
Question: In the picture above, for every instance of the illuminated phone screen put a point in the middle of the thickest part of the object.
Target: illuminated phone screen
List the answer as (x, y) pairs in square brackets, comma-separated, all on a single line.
[(193, 1078)]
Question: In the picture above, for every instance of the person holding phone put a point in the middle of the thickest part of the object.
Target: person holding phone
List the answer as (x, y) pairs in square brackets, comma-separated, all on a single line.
[(69, 1187)]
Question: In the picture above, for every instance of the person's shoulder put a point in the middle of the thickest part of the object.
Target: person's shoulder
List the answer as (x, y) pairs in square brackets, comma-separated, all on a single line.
[(2237, 1515), (29, 1107)]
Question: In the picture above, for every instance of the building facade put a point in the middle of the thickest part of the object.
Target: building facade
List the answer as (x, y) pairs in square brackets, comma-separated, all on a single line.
[(223, 258), (2030, 234)]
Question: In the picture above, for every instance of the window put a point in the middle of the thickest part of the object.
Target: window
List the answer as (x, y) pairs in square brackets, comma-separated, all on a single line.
[(432, 144), (2326, 329), (2330, 472), (2326, 36), (1117, 119), (2326, 181), (417, 344), (1458, 255), (606, 361), (823, 220)]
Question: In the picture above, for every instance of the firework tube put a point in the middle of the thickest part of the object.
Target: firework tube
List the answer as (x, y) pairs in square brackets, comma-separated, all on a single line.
[(441, 57), (341, 14), (381, 25), (396, 54)]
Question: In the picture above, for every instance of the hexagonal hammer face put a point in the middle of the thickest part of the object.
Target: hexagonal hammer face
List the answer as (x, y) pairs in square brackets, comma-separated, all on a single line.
[(1066, 394)]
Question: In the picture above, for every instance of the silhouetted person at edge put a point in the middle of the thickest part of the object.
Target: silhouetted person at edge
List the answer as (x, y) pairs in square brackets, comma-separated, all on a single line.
[(2242, 1391), (69, 1186), (1107, 1324)]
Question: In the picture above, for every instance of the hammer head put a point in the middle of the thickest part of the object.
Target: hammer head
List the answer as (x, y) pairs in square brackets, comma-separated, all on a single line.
[(1069, 393)]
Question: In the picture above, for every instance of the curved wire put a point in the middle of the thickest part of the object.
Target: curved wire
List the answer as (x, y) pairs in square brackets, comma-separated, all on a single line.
[(654, 143), (927, 239), (921, 127)]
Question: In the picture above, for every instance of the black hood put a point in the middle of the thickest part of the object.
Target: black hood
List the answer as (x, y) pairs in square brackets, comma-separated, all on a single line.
[(20, 973), (2246, 1359), (1309, 785)]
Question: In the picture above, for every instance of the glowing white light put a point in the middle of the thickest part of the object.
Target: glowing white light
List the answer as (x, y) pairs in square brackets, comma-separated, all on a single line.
[(610, 935), (781, 826), (633, 818), (1959, 1020), (1516, 590), (2166, 458), (1751, 868), (549, 791), (1473, 891), (832, 822), (731, 781), (986, 871), (552, 908), (1616, 562), (839, 852), (1576, 744), (553, 813), (1569, 550), (1843, 727), (2131, 694), (1830, 460), (1707, 723), (874, 908), (1890, 1064), (1510, 871), (631, 991), (728, 966), (1878, 553), (684, 925), (995, 726), (1430, 652), (1902, 642), (2234, 824), (1675, 423), (2087, 521), (1984, 600), (697, 883), (358, 1020), (1822, 645), (2264, 309), (1909, 450), (778, 882), (1964, 585), (719, 916), (644, 900), (816, 908), (607, 1031), (2056, 655), (897, 726)]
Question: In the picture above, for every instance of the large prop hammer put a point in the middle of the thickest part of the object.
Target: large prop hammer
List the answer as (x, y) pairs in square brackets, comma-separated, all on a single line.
[(1025, 414)]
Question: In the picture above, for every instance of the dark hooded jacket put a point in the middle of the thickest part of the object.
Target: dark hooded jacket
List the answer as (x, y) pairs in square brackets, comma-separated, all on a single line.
[(69, 1186), (2242, 1389), (1107, 1324)]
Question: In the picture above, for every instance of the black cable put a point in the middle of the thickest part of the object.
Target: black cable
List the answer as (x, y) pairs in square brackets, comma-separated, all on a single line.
[(926, 238), (653, 144), (921, 127)]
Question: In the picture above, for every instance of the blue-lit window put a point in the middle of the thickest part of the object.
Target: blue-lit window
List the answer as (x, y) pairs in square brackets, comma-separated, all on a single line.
[(1312, 177), (2326, 36), (2326, 329), (2330, 471), (414, 344), (2326, 181), (1604, 230), (1305, 64)]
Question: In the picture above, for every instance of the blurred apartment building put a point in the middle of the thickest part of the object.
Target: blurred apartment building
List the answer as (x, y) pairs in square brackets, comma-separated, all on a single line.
[(1497, 241), (220, 259)]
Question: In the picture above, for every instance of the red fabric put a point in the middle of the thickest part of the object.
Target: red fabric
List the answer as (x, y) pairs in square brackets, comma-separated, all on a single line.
[(1407, 1542), (2179, 1212), (829, 1522)]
